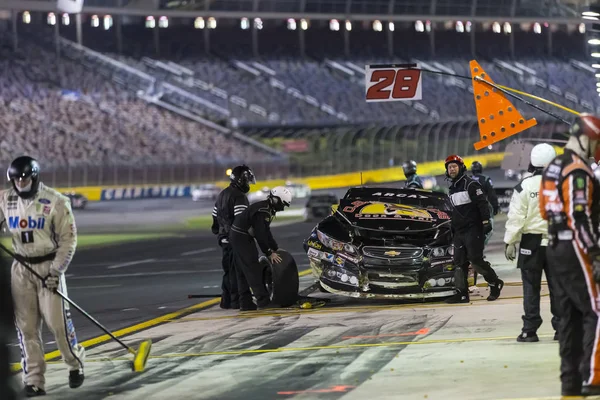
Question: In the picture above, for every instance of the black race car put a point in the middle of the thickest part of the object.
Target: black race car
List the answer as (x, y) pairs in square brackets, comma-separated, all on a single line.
[(385, 243)]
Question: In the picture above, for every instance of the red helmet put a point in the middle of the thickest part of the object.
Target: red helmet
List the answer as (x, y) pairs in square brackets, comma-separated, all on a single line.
[(454, 159), (588, 125)]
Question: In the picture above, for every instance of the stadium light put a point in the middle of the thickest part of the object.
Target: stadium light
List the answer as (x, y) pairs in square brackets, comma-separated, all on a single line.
[(507, 27), (537, 28), (334, 25), (597, 66), (496, 27), (594, 42), (95, 21), (460, 27), (590, 18), (244, 23), (582, 28), (377, 26), (66, 20), (468, 26), (391, 26), (598, 90), (419, 27), (304, 24), (51, 19), (590, 14), (291, 24), (228, 172), (258, 24), (596, 55), (26, 17), (108, 22), (212, 23), (598, 84), (348, 25), (163, 22), (150, 22), (199, 23)]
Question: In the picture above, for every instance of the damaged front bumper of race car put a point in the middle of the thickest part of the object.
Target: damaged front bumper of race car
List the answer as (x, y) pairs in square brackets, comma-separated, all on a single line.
[(385, 272)]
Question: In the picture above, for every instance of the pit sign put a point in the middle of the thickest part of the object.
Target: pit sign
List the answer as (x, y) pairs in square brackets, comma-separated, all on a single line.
[(393, 82)]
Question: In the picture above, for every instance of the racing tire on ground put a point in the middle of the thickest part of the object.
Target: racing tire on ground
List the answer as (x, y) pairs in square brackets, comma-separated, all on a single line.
[(282, 279)]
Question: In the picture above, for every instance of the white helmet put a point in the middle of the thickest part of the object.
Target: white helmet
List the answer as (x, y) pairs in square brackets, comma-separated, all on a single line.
[(542, 154), (284, 194)]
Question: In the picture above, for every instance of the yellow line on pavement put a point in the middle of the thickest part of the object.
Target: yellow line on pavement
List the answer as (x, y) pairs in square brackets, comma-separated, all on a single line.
[(16, 367), (313, 348)]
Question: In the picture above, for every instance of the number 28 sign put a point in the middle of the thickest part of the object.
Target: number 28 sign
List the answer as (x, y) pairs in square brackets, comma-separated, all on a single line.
[(393, 82)]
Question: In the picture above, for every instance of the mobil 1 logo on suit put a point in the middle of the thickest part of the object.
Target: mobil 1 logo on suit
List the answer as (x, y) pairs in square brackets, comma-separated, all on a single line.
[(26, 226)]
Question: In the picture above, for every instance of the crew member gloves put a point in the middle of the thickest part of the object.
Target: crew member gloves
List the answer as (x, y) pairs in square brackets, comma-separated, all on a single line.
[(51, 282), (510, 252), (487, 227)]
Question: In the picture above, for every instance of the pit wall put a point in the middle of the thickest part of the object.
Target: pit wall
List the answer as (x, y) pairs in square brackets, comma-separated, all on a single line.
[(377, 176)]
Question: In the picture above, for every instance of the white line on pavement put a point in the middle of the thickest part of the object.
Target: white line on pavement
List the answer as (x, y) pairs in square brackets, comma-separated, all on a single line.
[(127, 264), (189, 253), (142, 274)]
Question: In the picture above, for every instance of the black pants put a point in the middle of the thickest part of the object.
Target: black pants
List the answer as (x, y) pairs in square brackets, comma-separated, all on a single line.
[(249, 270), (532, 262), (7, 330), (229, 286), (468, 248), (576, 297)]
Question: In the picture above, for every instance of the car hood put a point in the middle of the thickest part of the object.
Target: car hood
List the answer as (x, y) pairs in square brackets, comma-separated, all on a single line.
[(390, 216)]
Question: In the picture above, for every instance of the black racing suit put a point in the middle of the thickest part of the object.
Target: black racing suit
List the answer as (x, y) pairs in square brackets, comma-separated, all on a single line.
[(488, 189), (570, 202), (413, 181), (230, 203), (254, 223), (470, 211)]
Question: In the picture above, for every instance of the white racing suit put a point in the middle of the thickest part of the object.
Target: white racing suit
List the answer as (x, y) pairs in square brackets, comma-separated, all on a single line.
[(526, 227), (43, 232)]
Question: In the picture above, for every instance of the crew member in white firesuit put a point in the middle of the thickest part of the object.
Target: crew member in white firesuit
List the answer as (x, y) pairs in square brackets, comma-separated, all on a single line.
[(526, 227), (42, 226), (570, 202)]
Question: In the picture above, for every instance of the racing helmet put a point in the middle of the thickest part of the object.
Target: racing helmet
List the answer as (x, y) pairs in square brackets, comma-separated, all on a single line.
[(26, 171), (541, 155), (476, 167), (456, 159), (242, 176), (409, 167), (280, 197), (587, 125)]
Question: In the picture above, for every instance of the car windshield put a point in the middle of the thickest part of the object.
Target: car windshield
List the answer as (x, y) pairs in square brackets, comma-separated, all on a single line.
[(411, 197)]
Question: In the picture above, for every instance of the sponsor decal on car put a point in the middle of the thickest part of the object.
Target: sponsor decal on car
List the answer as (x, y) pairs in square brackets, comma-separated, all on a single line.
[(313, 253), (377, 210), (314, 244)]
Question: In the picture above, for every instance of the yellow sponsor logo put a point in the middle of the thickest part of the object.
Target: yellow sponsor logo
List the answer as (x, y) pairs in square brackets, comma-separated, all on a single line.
[(314, 244), (392, 210)]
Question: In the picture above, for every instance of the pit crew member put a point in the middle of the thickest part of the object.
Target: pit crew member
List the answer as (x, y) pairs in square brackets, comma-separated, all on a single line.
[(42, 226), (230, 202), (570, 202), (254, 223), (470, 222), (410, 172), (526, 227)]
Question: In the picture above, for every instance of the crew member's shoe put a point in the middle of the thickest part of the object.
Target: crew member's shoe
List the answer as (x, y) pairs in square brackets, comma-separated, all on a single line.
[(76, 379), (495, 289), (528, 337), (33, 391), (590, 390)]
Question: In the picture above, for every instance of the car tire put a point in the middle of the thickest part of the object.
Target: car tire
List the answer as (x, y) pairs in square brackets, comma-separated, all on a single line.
[(282, 279)]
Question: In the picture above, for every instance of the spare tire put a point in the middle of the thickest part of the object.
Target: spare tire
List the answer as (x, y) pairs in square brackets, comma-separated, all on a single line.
[(281, 279)]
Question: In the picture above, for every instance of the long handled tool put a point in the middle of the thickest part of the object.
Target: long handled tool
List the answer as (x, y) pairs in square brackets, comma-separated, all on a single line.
[(140, 357)]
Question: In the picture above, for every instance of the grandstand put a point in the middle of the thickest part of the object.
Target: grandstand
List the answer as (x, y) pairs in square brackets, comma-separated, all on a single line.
[(176, 86)]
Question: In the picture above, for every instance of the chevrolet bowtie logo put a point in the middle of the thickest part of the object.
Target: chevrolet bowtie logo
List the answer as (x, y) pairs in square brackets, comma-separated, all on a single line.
[(392, 253)]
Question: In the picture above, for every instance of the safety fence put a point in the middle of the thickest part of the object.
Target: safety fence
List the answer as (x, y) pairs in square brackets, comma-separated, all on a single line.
[(329, 151)]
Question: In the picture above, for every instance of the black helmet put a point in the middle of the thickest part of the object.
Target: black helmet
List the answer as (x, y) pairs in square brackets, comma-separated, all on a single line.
[(476, 167), (242, 176), (409, 167), (24, 167)]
